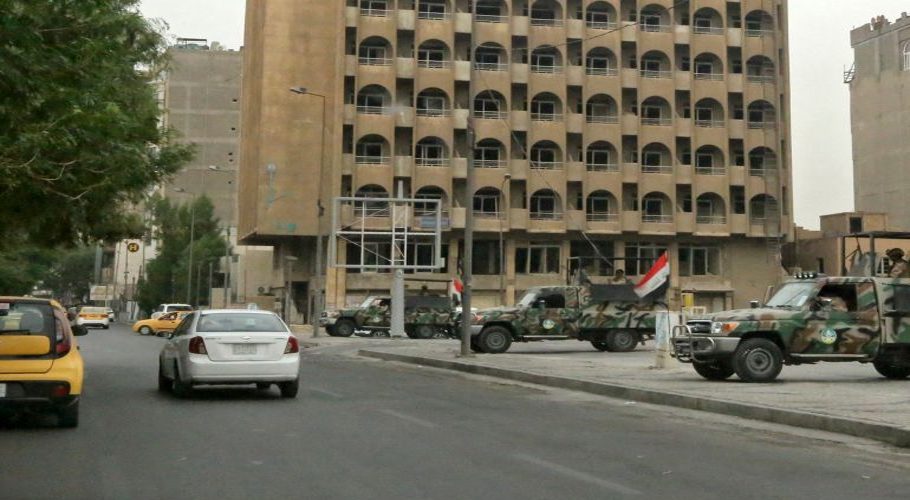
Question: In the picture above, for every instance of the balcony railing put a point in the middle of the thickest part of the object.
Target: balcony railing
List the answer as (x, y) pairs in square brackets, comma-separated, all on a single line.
[(710, 123), (546, 117), (433, 64), (371, 160), (489, 163), (709, 76), (601, 71), (433, 112), (486, 215), (489, 18), (491, 115), (657, 169), (546, 165), (707, 30), (714, 220), (602, 118), (660, 122), (490, 66), (761, 78), (759, 32), (650, 73), (602, 167), (546, 69), (431, 162), (601, 25), (658, 218), (655, 28), (374, 12), (711, 170), (433, 16), (602, 217), (375, 61), (541, 21), (762, 124), (372, 110), (545, 216), (760, 171)]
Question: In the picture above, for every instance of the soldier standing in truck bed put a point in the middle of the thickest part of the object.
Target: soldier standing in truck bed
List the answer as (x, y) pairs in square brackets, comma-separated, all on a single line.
[(900, 268)]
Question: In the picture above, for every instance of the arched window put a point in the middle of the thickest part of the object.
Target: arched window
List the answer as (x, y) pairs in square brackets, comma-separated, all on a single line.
[(490, 11), (489, 153), (432, 9), (600, 16), (546, 107), (546, 13), (490, 104), (601, 206), (545, 205), (432, 102), (905, 56), (601, 157), (374, 8), (429, 193), (710, 209), (433, 54), (372, 150), (490, 57), (546, 155), (546, 59), (486, 202), (371, 100), (656, 207), (375, 51), (371, 208), (431, 152)]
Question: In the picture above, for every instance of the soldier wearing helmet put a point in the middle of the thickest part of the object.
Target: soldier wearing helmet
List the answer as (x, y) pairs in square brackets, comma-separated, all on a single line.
[(900, 268)]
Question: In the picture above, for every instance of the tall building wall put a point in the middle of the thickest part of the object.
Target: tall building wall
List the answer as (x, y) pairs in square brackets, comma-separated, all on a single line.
[(635, 125), (880, 115)]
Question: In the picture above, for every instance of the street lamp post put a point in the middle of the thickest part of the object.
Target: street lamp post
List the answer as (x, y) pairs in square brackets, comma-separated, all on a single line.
[(318, 291), (502, 259), (227, 248), (189, 269)]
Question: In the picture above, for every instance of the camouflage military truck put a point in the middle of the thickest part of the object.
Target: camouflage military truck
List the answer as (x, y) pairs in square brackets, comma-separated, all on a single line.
[(424, 317), (809, 319), (611, 317)]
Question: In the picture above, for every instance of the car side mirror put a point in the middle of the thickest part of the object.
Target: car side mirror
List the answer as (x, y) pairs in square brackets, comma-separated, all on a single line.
[(754, 304), (80, 330)]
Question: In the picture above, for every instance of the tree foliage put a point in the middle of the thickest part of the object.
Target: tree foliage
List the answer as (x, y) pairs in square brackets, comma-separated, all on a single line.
[(165, 278), (79, 119)]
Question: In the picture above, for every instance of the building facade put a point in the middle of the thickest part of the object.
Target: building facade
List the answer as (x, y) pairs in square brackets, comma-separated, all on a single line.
[(879, 108), (606, 132)]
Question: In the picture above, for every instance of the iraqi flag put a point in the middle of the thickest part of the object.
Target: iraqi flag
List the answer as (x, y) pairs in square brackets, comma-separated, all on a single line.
[(656, 277)]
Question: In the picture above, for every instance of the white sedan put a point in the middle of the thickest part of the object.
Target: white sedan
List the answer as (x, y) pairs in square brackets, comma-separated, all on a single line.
[(233, 346)]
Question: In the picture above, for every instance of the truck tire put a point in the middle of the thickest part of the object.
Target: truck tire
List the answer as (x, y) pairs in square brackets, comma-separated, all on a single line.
[(758, 360), (890, 369), (622, 340), (494, 340), (716, 370), (344, 328), (331, 331), (424, 331), (601, 345)]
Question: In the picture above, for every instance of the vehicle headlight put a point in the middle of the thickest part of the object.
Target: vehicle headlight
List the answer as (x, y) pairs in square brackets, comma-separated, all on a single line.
[(723, 328)]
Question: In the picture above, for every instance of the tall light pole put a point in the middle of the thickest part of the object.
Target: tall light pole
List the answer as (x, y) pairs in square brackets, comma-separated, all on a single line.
[(318, 289), (189, 268), (502, 259), (227, 247)]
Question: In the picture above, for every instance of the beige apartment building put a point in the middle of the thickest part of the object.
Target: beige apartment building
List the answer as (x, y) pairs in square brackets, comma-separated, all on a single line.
[(879, 107), (630, 126)]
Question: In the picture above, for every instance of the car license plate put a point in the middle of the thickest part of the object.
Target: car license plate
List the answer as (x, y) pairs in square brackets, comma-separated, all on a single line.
[(244, 349), (2, 390)]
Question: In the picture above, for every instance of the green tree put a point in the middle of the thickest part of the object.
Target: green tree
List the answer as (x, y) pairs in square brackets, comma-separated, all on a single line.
[(70, 276), (80, 138), (165, 278)]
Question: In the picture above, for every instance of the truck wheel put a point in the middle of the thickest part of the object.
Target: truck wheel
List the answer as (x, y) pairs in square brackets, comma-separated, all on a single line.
[(757, 360), (424, 331), (494, 340), (890, 369), (344, 328), (622, 340), (331, 331), (716, 370), (601, 345)]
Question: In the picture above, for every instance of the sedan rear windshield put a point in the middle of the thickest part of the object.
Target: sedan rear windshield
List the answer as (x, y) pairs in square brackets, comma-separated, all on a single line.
[(26, 319), (94, 310), (240, 322)]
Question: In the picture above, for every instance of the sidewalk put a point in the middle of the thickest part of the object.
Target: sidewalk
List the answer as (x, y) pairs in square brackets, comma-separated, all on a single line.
[(848, 398)]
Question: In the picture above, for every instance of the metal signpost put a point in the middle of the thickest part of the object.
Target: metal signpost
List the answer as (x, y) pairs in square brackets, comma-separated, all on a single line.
[(374, 224)]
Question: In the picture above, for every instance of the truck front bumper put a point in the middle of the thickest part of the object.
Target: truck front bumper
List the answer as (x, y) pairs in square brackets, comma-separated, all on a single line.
[(689, 348)]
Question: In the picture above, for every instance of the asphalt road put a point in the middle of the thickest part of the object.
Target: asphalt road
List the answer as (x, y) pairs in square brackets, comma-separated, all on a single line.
[(368, 429)]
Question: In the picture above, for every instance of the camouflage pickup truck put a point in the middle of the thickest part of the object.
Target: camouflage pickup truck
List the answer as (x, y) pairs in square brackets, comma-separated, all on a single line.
[(809, 319), (611, 317), (424, 317)]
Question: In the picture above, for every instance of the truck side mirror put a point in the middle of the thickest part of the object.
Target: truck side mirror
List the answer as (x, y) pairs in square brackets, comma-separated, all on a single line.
[(754, 304)]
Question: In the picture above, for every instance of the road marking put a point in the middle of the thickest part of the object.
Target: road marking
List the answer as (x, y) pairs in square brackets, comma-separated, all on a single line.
[(414, 420), (327, 393), (574, 474)]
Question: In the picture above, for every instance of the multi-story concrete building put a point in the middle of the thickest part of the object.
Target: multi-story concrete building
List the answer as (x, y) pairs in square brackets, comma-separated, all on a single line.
[(879, 103), (629, 126)]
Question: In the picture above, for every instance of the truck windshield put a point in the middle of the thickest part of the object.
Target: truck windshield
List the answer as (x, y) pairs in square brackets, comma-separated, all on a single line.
[(793, 294), (527, 300)]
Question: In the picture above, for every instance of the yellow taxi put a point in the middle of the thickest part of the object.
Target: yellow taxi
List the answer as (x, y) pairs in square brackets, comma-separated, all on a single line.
[(161, 325), (40, 365)]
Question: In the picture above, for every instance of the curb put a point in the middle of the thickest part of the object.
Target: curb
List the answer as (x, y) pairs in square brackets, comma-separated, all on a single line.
[(897, 436)]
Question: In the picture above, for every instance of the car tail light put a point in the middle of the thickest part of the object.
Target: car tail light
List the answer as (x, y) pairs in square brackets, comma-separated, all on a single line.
[(60, 390), (292, 345), (197, 346), (64, 345)]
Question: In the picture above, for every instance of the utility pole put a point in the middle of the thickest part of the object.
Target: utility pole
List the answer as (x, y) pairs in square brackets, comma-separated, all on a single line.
[(189, 268), (467, 316), (227, 268)]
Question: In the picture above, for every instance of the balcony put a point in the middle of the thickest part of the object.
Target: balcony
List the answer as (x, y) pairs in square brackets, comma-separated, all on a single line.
[(602, 167), (761, 125), (490, 66), (710, 170), (489, 18), (372, 110), (367, 12), (650, 73), (601, 71), (546, 117), (545, 215), (433, 15), (657, 169), (655, 28), (657, 122), (710, 123), (711, 220), (542, 21), (707, 30), (657, 218), (602, 217), (374, 61), (753, 32), (546, 165), (432, 162), (370, 160), (489, 163), (602, 119), (709, 76), (601, 25), (546, 69)]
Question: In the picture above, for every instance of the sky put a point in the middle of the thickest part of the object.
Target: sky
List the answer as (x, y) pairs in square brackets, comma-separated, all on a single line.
[(820, 101)]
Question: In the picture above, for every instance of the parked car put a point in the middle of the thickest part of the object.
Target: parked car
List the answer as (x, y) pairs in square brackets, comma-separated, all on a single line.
[(93, 316), (40, 365), (166, 308), (164, 324), (230, 346)]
